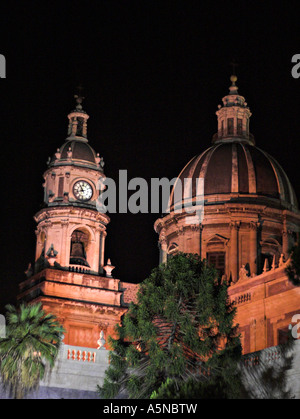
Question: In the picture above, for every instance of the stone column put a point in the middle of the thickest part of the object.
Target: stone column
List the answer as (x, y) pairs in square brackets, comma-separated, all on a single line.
[(64, 258), (201, 227), (96, 251), (101, 253), (74, 126), (163, 246), (163, 251), (286, 236), (285, 243), (48, 230), (234, 250), (38, 248), (253, 248)]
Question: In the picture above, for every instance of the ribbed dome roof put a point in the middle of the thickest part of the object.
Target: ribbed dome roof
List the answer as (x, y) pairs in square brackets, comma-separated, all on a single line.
[(234, 169), (75, 151), (241, 170), (80, 151)]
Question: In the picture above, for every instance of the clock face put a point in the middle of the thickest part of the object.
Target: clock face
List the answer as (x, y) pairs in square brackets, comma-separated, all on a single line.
[(82, 191)]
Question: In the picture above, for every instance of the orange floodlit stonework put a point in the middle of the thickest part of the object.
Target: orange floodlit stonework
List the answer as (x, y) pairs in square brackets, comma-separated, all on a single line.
[(85, 304), (70, 277), (250, 221)]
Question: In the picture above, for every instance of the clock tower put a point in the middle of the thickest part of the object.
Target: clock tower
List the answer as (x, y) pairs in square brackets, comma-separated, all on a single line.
[(68, 276), (70, 231)]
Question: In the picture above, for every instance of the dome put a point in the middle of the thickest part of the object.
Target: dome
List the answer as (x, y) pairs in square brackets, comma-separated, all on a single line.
[(240, 171), (80, 151), (75, 151), (233, 204), (233, 168)]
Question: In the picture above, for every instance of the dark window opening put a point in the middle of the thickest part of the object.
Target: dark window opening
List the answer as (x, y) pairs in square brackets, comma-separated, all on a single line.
[(60, 187), (79, 126), (230, 126), (283, 336), (218, 260), (79, 242), (239, 126)]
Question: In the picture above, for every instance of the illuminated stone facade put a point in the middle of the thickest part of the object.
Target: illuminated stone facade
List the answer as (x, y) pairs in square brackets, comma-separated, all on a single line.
[(250, 221), (69, 278)]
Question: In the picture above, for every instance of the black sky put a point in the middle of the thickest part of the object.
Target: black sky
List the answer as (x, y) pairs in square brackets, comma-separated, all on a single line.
[(153, 73)]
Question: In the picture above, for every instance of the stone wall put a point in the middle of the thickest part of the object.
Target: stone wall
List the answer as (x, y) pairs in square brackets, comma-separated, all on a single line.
[(129, 292), (76, 374), (79, 370)]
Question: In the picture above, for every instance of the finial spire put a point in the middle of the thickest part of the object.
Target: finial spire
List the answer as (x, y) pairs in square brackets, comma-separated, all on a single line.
[(233, 89), (233, 116), (233, 79), (78, 118), (233, 64)]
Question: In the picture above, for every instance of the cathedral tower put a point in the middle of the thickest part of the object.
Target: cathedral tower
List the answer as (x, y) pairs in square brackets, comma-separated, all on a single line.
[(68, 277), (70, 231)]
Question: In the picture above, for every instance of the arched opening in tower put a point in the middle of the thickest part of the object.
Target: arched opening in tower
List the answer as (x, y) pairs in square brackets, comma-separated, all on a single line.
[(79, 126), (79, 244)]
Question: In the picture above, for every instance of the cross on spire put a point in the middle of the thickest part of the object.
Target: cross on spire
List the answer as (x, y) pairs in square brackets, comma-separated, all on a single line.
[(233, 64)]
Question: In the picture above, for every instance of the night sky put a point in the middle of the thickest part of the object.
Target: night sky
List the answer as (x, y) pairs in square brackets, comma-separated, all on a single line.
[(153, 74)]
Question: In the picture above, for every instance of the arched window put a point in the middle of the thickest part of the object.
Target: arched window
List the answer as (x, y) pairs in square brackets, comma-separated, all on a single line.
[(215, 252), (218, 260), (269, 248), (239, 126), (79, 243), (79, 126), (230, 126), (173, 249)]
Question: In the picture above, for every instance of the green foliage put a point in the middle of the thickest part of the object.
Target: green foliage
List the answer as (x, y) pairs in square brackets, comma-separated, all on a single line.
[(293, 270), (181, 329), (211, 388), (32, 343)]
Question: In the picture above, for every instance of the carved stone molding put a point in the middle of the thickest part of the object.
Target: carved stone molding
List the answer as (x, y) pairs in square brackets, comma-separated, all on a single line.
[(235, 225), (48, 224), (181, 230), (196, 227), (162, 236), (99, 229), (163, 242), (253, 225)]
